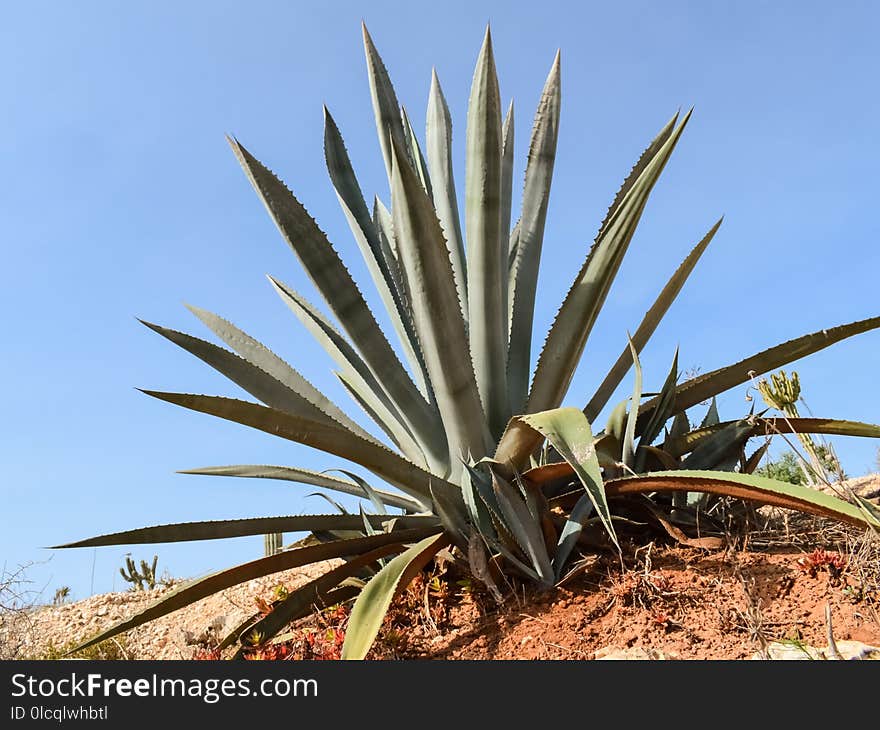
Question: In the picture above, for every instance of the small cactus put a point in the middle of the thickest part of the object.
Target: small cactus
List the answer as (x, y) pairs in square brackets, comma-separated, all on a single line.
[(272, 543), (143, 580)]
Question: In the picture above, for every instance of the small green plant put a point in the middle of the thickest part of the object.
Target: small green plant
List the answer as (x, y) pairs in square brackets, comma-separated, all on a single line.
[(61, 596), (109, 650), (784, 469), (145, 579)]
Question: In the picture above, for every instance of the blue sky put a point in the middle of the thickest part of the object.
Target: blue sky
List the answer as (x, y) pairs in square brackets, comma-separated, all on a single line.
[(121, 199)]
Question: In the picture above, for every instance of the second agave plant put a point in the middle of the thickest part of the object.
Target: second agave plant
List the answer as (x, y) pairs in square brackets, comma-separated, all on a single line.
[(472, 446)]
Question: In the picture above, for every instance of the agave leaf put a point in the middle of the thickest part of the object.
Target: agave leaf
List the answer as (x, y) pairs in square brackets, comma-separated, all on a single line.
[(256, 381), (570, 434), (262, 357), (571, 532), (305, 600), (711, 418), (507, 135), (376, 251), (452, 516), (368, 491), (524, 528), (628, 451), (680, 425), (372, 604), (437, 314), (669, 462), (385, 228), (416, 153), (199, 588), (772, 426), (482, 484), (395, 430), (438, 129), (477, 509), (635, 173), (715, 448), (331, 501), (705, 386), (218, 529), (869, 511), (389, 125), (391, 467), (616, 425), (536, 195), (741, 486), (755, 459), (299, 601), (512, 249), (339, 290), (428, 444), (368, 528), (486, 241), (574, 322), (661, 414), (648, 325), (304, 476)]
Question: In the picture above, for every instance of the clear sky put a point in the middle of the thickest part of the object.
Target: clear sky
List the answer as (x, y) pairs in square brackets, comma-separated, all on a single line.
[(121, 199)]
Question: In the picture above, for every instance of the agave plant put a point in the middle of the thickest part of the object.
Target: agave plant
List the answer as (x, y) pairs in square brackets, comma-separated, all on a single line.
[(463, 420)]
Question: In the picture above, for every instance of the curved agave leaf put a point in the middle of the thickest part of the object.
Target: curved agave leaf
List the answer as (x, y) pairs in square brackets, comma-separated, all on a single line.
[(257, 381), (391, 467), (215, 582), (635, 173), (742, 486), (570, 434), (372, 604), (299, 601), (574, 322), (452, 515), (332, 502), (438, 129), (393, 430), (385, 231), (718, 447), (262, 357), (628, 452), (367, 491), (660, 416), (339, 290), (711, 418), (218, 529), (525, 529), (568, 537), (376, 252), (304, 476), (486, 243), (507, 134), (415, 153), (309, 599), (389, 125), (755, 459), (366, 388), (648, 325), (705, 386), (536, 196), (437, 314), (770, 426)]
